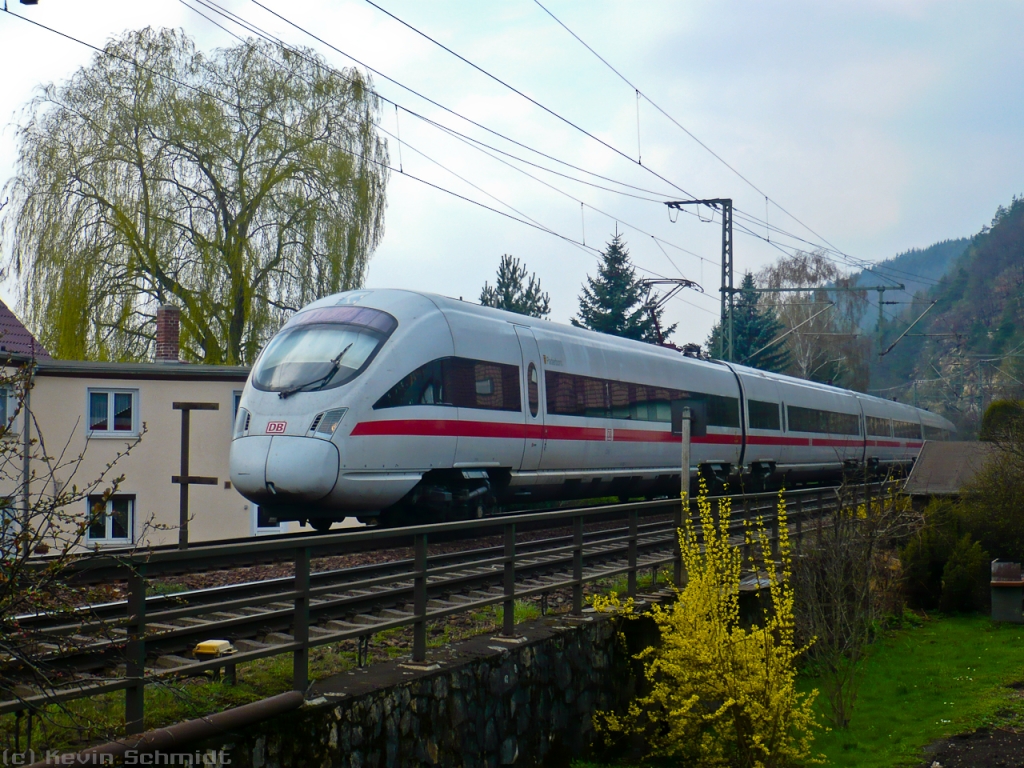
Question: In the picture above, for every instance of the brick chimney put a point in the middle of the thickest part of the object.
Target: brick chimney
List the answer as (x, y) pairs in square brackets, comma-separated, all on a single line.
[(168, 318)]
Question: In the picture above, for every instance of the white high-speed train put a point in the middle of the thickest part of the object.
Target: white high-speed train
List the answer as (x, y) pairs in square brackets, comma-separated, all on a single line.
[(410, 407)]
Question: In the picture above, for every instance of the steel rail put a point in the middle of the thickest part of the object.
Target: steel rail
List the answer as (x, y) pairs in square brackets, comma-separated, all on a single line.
[(400, 593), (164, 636)]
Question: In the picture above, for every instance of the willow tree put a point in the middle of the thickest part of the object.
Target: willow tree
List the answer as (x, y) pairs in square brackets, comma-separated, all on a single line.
[(824, 341), (238, 185)]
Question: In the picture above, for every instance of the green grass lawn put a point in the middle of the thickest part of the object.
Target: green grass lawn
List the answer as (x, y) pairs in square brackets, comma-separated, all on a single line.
[(945, 677)]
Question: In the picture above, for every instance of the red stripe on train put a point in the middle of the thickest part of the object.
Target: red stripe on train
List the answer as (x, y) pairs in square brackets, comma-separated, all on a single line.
[(457, 428), (497, 429)]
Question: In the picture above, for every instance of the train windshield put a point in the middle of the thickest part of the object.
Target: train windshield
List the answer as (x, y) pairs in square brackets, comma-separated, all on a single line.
[(321, 349)]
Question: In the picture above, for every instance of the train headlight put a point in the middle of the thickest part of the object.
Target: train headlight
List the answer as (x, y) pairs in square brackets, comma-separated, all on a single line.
[(325, 423), (241, 424)]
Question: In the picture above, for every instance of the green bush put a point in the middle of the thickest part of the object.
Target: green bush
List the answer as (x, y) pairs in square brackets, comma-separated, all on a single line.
[(992, 510), (965, 578), (1000, 418), (924, 560), (924, 557)]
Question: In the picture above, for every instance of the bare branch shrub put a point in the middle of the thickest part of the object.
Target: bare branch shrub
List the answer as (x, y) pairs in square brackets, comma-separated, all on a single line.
[(846, 578), (44, 521)]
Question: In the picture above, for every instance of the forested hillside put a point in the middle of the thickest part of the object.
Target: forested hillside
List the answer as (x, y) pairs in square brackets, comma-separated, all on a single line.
[(969, 346), (917, 269)]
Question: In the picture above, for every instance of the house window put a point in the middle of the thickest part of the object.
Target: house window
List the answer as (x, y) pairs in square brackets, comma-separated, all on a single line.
[(8, 412), (111, 521), (264, 522), (8, 527), (113, 412)]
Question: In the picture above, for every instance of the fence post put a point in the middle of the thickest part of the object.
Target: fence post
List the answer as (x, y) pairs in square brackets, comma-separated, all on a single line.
[(677, 558), (799, 523), (684, 496), (508, 628), (419, 598), (135, 663), (577, 565), (745, 549), (774, 533), (300, 622), (631, 575)]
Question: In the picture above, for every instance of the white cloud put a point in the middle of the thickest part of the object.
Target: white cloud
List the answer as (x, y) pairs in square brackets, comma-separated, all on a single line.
[(883, 125)]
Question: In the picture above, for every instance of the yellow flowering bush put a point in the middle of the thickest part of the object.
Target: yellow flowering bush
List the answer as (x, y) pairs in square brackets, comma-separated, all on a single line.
[(721, 694)]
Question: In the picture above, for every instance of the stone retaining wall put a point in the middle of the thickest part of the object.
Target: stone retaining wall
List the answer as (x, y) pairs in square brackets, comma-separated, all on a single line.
[(484, 703)]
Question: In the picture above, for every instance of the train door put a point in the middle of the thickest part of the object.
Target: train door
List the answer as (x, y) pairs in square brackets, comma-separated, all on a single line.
[(533, 413)]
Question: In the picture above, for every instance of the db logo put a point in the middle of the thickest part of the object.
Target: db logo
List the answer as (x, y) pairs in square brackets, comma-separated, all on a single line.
[(276, 427)]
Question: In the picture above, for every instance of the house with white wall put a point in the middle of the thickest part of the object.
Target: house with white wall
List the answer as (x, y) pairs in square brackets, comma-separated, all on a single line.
[(98, 409)]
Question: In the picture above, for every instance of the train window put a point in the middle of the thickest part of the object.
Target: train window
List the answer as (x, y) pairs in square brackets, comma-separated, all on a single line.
[(822, 422), (723, 411), (763, 415), (322, 348), (906, 429), (877, 427), (458, 381), (935, 433), (533, 389), (571, 395), (586, 396)]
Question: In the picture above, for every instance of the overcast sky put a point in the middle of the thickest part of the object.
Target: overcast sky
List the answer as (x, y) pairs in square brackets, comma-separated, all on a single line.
[(882, 126)]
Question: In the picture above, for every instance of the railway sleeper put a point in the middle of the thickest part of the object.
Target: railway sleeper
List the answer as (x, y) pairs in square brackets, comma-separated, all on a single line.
[(394, 613), (246, 644), (336, 625), (172, 661), (278, 638)]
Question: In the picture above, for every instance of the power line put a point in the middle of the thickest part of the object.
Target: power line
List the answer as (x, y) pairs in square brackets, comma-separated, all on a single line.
[(520, 93), (848, 259), (718, 157), (216, 97), (386, 166), (473, 143), (422, 96), (249, 26)]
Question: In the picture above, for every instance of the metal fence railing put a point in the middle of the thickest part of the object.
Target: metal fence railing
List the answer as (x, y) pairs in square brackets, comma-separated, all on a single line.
[(536, 554)]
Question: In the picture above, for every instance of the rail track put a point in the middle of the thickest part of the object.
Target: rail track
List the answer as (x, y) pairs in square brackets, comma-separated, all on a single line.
[(126, 644)]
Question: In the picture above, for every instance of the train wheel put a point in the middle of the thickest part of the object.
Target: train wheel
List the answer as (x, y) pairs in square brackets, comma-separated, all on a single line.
[(320, 525)]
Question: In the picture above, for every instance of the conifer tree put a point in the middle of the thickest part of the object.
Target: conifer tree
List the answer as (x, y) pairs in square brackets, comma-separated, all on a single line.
[(753, 328), (514, 293), (615, 302)]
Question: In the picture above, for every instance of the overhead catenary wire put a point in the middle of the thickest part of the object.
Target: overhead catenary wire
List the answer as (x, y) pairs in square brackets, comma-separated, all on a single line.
[(221, 99), (743, 229), (641, 95), (523, 95), (216, 97), (420, 95), (255, 29), (848, 261), (545, 108), (479, 146)]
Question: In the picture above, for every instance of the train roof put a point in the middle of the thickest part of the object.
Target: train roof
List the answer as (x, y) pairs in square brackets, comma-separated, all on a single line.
[(392, 303)]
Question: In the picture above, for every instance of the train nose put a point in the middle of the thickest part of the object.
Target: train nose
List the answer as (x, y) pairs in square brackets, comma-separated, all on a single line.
[(283, 469)]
